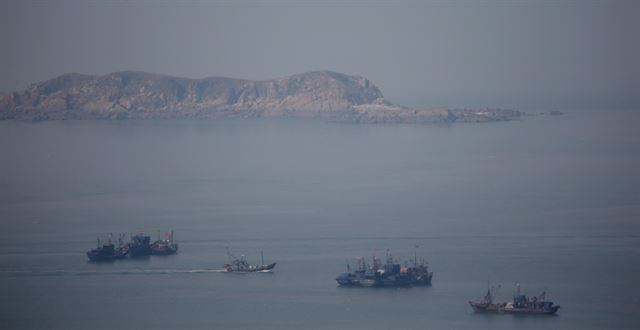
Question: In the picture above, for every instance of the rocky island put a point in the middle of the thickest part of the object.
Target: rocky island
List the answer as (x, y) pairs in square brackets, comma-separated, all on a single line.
[(141, 95)]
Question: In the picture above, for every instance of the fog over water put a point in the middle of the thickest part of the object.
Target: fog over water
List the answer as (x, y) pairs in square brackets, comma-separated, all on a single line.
[(521, 54), (547, 202)]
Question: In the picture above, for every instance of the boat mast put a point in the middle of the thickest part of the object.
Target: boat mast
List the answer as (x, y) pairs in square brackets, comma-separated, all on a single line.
[(230, 256)]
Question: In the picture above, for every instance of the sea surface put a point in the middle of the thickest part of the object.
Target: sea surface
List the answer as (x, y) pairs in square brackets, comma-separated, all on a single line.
[(549, 202)]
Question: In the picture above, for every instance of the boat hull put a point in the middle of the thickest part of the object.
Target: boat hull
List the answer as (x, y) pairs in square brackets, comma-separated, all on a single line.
[(164, 249), (529, 311), (107, 253), (250, 269), (484, 308), (368, 280)]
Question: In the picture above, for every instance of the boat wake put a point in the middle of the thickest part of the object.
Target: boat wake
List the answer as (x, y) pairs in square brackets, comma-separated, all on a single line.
[(34, 273)]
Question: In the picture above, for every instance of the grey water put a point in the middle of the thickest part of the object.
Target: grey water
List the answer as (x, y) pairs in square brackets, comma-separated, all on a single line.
[(547, 202)]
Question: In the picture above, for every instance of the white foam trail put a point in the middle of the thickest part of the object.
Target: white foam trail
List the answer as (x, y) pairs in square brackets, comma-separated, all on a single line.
[(67, 272)]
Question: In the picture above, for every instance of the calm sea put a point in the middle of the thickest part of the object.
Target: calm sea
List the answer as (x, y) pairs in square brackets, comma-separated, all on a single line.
[(548, 202)]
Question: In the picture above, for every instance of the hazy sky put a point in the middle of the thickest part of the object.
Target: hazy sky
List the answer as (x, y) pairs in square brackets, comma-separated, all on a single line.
[(547, 54)]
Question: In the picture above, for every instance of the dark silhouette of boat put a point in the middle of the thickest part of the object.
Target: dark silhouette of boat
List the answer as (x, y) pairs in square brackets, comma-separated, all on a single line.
[(487, 305), (140, 246), (108, 251), (389, 274), (521, 304), (241, 265), (164, 246)]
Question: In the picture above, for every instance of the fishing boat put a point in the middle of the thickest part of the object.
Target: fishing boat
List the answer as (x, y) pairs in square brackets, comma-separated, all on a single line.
[(241, 265), (521, 304), (140, 246), (108, 251), (487, 304), (390, 274), (164, 246)]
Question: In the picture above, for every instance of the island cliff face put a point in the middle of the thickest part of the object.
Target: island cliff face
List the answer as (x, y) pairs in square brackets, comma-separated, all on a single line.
[(131, 95)]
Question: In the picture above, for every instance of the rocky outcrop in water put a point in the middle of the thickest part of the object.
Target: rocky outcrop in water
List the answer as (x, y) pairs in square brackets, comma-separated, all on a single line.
[(139, 95)]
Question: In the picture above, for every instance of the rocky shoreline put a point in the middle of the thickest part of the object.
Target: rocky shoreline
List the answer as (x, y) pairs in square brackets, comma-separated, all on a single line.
[(140, 95)]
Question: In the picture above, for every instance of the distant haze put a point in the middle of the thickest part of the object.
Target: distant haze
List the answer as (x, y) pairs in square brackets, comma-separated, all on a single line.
[(528, 55)]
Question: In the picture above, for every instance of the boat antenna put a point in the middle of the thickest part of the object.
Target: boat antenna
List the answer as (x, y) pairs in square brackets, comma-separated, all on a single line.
[(231, 256), (494, 290)]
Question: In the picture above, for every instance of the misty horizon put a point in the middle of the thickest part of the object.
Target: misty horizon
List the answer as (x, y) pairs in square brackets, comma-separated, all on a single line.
[(459, 146), (524, 55)]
